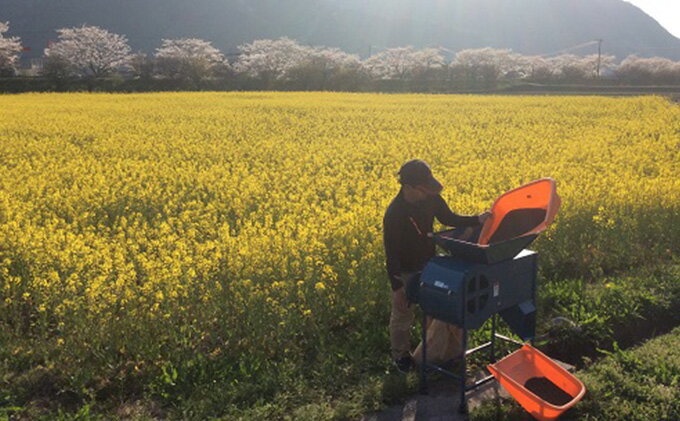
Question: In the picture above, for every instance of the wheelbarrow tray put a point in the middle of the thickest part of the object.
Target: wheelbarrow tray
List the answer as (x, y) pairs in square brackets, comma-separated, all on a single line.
[(527, 365)]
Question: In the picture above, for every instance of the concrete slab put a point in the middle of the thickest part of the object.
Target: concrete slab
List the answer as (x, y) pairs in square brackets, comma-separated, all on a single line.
[(441, 404)]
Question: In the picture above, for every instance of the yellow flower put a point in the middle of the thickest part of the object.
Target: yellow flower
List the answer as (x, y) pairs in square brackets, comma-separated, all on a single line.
[(319, 286)]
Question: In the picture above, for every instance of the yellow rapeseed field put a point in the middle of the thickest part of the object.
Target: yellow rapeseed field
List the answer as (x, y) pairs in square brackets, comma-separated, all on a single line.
[(168, 241)]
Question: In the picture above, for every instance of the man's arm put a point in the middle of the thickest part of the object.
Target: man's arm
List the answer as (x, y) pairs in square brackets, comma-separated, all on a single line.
[(447, 217), (392, 240)]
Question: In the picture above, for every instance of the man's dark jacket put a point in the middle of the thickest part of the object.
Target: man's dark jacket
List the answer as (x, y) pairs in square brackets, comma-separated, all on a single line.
[(405, 229)]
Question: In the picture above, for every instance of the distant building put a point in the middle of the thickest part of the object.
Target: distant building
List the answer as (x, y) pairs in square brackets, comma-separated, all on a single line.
[(31, 58), (30, 66)]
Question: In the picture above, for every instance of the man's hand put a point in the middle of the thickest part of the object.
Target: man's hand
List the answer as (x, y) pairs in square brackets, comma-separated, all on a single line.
[(403, 277), (402, 299), (466, 234), (484, 216)]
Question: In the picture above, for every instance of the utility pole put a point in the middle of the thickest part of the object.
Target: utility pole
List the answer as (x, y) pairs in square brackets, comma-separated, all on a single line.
[(599, 55), (370, 47)]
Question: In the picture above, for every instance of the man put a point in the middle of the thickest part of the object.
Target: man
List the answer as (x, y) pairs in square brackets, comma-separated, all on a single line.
[(407, 228)]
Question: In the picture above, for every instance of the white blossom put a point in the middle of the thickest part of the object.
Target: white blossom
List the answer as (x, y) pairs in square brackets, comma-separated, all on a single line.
[(575, 67), (190, 58), (10, 47), (90, 50), (270, 58), (321, 68), (538, 67), (403, 62), (654, 69), (330, 58), (491, 62)]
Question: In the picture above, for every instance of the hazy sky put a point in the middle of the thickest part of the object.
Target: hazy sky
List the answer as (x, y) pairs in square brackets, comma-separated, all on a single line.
[(666, 12)]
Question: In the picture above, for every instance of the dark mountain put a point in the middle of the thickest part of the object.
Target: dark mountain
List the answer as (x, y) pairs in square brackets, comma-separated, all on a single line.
[(357, 26)]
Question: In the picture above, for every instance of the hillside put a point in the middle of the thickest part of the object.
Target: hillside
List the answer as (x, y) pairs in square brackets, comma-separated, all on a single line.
[(357, 26)]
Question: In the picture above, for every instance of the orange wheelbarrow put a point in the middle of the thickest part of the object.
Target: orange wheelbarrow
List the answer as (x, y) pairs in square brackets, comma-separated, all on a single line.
[(540, 385)]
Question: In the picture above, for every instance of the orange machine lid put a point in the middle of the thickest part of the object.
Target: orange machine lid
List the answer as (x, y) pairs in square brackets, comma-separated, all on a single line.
[(528, 209)]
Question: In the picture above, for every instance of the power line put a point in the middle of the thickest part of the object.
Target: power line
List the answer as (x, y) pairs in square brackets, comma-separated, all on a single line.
[(575, 47)]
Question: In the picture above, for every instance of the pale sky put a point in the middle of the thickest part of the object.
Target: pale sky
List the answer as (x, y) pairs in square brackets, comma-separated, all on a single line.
[(666, 12)]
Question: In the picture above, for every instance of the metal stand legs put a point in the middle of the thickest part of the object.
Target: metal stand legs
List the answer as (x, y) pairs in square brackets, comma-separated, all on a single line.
[(423, 363), (463, 369)]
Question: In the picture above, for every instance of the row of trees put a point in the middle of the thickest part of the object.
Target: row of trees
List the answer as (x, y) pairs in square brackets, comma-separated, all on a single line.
[(91, 53), (10, 47)]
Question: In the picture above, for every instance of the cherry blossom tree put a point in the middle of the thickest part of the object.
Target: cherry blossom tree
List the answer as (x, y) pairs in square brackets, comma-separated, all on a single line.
[(320, 68), (90, 51), (10, 47), (187, 58), (429, 62), (566, 66), (645, 70), (57, 68), (574, 68), (486, 65), (404, 62), (538, 68), (141, 65), (270, 59)]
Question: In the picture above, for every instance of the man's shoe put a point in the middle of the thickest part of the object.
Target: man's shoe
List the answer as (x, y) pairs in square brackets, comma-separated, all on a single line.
[(404, 364)]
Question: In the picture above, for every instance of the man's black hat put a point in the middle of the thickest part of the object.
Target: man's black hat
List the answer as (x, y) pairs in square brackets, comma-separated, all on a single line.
[(417, 173)]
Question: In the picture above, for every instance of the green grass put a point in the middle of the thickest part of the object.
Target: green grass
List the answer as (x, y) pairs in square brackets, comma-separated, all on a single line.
[(638, 384), (624, 308), (356, 379)]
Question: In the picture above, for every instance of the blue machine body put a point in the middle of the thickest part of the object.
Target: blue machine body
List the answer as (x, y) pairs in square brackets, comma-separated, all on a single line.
[(466, 293)]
